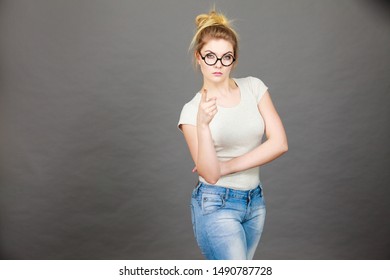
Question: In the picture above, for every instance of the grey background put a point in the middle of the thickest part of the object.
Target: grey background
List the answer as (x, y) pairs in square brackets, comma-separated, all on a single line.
[(93, 166)]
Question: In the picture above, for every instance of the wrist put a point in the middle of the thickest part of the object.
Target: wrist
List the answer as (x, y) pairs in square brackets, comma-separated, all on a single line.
[(224, 167), (203, 126)]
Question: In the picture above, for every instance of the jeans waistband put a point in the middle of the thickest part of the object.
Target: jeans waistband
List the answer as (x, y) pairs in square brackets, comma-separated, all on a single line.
[(227, 192)]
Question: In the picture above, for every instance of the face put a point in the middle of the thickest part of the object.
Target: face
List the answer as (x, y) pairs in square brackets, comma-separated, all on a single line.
[(212, 50)]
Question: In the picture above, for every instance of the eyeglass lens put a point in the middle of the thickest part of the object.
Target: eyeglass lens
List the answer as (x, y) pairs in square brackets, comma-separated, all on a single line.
[(211, 59)]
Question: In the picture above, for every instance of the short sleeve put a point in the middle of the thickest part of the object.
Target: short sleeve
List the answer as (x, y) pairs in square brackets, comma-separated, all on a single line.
[(258, 88), (188, 115)]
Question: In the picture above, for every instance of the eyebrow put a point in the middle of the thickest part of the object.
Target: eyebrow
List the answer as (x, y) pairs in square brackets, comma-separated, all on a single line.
[(216, 54)]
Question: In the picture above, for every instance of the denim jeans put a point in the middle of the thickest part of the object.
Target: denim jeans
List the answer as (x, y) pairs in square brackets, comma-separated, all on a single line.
[(227, 223)]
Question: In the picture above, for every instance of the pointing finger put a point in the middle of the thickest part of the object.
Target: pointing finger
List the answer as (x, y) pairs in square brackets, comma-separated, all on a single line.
[(204, 95)]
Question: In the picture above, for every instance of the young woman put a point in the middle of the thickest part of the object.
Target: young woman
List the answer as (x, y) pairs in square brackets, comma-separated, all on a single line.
[(223, 126)]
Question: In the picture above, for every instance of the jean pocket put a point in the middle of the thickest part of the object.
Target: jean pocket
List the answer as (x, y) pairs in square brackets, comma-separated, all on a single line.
[(211, 203), (258, 201)]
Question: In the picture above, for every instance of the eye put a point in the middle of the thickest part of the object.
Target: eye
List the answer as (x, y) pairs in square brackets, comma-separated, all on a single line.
[(210, 56), (227, 57)]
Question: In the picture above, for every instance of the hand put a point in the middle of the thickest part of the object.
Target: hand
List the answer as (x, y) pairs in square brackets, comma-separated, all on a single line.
[(207, 109), (194, 169)]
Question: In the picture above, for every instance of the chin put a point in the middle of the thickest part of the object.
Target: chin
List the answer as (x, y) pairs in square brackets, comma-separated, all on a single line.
[(218, 78)]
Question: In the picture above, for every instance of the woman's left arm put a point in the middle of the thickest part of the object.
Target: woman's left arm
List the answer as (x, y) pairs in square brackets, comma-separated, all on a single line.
[(275, 145)]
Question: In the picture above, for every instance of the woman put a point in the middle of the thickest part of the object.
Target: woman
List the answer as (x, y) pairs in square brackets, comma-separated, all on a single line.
[(223, 126)]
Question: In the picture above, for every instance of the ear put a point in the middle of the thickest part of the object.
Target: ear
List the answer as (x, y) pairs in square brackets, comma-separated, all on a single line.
[(234, 65), (197, 57)]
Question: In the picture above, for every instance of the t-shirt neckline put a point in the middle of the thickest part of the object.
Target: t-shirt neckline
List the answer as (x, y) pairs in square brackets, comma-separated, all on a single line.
[(239, 103)]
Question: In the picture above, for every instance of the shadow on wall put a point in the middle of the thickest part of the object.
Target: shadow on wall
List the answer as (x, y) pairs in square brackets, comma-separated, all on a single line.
[(381, 8)]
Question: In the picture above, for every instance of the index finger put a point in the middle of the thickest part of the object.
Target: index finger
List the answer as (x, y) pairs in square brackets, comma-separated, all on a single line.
[(204, 95)]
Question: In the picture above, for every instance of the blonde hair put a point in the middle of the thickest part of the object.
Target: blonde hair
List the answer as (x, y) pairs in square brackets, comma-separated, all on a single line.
[(213, 25)]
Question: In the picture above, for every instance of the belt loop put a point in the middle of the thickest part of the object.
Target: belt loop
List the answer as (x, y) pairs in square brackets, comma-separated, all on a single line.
[(226, 193), (261, 189), (251, 193)]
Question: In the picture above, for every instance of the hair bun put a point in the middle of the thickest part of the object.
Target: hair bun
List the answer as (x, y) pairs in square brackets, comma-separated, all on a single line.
[(213, 25), (212, 18)]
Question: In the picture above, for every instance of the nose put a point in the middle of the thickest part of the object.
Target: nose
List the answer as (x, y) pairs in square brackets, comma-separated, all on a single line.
[(218, 64)]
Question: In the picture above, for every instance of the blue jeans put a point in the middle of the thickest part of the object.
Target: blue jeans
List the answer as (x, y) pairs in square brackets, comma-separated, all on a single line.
[(227, 223)]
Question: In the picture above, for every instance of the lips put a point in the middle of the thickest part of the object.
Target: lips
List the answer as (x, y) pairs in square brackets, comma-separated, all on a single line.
[(217, 73)]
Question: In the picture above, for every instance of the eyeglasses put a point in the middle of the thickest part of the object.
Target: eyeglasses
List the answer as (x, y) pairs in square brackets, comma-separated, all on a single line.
[(212, 59)]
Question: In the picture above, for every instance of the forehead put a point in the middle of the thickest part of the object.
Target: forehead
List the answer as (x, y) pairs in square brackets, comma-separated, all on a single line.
[(218, 46)]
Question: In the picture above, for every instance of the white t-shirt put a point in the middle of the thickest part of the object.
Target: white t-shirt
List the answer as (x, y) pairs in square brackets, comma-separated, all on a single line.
[(235, 130)]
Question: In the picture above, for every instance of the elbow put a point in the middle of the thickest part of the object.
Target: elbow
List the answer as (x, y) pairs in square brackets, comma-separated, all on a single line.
[(283, 144), (210, 178), (284, 147), (212, 181), (281, 147)]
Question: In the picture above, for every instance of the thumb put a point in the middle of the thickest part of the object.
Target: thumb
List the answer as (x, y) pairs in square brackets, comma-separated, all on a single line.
[(204, 95)]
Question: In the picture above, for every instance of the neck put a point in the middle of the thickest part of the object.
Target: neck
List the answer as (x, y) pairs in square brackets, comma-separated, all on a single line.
[(223, 88)]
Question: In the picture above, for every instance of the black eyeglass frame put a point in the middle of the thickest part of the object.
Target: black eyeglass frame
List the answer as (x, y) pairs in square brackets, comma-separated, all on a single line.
[(220, 59)]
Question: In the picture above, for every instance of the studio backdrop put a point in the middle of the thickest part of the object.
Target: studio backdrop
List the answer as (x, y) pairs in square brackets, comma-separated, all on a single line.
[(94, 167)]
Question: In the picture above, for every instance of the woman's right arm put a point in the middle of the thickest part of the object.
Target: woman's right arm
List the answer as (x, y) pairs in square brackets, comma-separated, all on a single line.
[(200, 142)]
